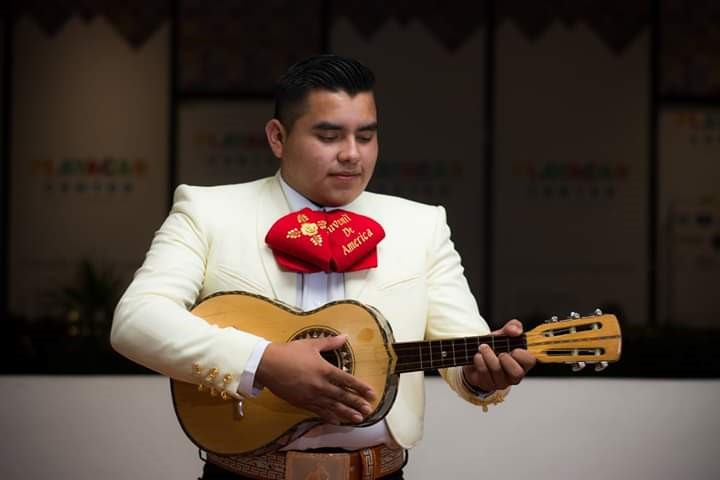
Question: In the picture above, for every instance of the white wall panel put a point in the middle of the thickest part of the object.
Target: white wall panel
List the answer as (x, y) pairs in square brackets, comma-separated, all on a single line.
[(571, 208), (89, 154)]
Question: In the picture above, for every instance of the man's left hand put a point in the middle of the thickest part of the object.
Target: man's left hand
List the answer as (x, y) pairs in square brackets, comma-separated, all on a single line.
[(490, 372)]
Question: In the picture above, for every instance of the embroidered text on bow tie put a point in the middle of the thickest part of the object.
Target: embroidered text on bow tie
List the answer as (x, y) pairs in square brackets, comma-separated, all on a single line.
[(337, 241)]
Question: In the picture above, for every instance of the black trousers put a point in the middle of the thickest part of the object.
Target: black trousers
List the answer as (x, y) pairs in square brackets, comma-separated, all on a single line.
[(213, 472)]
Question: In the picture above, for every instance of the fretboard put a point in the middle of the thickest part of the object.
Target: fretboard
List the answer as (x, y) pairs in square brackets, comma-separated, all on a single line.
[(432, 354)]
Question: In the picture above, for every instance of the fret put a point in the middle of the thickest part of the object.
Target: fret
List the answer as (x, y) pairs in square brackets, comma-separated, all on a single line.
[(452, 343), (431, 355), (440, 357), (420, 351)]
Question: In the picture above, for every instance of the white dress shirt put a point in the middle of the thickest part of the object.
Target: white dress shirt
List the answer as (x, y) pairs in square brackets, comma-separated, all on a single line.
[(313, 291)]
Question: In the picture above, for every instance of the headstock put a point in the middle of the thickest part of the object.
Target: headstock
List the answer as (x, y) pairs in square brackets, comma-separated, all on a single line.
[(577, 340)]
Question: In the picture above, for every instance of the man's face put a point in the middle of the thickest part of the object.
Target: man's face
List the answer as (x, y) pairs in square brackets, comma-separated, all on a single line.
[(330, 153)]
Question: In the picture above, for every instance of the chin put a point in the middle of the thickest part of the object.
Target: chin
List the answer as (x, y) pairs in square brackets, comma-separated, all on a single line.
[(339, 200)]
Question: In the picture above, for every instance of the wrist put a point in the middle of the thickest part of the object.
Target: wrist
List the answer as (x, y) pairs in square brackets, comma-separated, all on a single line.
[(474, 389), (262, 374)]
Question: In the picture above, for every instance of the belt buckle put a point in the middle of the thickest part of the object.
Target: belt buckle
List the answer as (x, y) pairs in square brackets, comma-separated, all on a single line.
[(317, 466)]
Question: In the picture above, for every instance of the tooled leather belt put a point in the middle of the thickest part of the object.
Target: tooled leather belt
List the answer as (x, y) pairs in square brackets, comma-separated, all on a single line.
[(365, 464)]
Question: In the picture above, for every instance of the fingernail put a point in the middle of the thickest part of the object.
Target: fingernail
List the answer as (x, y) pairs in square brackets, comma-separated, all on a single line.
[(357, 418), (366, 409)]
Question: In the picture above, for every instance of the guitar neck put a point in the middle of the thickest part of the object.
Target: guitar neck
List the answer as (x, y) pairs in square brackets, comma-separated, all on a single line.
[(455, 352)]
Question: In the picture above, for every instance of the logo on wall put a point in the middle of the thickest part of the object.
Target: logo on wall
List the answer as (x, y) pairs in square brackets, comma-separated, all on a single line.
[(89, 175), (421, 180), (571, 180), (232, 148), (703, 128)]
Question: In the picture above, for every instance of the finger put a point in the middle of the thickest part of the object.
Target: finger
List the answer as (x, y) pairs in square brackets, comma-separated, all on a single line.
[(331, 343), (513, 328), (341, 412), (514, 372), (478, 375), (524, 358), (326, 413), (351, 400), (348, 382), (480, 366), (494, 367)]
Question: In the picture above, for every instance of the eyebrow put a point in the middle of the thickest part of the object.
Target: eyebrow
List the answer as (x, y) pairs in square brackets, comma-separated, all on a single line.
[(371, 127)]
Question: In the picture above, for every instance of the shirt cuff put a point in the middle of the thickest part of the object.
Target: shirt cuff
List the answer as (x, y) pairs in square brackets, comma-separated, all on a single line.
[(247, 386)]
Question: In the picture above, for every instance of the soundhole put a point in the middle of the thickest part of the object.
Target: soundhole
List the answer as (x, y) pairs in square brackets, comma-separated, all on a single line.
[(341, 358)]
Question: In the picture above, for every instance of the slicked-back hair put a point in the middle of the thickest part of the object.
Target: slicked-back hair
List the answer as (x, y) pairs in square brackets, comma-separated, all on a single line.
[(322, 72)]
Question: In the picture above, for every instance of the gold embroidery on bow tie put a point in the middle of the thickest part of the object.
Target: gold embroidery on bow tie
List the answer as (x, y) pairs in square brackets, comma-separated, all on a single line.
[(308, 229)]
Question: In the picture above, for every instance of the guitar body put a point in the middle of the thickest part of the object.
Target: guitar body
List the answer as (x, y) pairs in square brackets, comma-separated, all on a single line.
[(268, 422)]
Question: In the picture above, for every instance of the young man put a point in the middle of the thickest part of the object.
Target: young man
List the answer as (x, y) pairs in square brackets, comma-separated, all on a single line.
[(325, 134)]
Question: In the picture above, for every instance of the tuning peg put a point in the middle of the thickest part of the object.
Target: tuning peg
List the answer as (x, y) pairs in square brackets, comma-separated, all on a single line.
[(578, 366), (552, 319), (598, 312), (601, 366), (574, 315)]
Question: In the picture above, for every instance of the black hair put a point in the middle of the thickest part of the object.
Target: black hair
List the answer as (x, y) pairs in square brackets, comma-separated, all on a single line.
[(322, 72)]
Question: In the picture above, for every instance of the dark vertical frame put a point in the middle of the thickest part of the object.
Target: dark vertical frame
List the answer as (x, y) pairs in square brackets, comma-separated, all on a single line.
[(489, 210), (173, 120), (653, 178), (7, 94), (325, 22)]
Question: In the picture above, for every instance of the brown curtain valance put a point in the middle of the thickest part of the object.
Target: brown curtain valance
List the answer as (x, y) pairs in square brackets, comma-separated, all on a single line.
[(452, 22)]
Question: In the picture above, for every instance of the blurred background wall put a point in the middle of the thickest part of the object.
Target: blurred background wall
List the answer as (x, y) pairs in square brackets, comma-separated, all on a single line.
[(576, 146)]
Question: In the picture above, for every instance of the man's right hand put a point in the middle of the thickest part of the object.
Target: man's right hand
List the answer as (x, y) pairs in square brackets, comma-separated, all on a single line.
[(297, 373)]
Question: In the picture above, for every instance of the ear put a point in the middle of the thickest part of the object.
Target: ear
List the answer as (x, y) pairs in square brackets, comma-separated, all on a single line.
[(276, 135)]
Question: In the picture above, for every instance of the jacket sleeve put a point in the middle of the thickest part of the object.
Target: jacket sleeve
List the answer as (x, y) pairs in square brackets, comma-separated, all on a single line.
[(152, 324), (452, 309)]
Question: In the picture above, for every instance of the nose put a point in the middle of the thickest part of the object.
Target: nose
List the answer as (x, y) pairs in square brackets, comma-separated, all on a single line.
[(349, 151)]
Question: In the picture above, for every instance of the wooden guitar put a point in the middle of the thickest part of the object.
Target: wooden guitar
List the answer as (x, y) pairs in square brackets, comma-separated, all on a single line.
[(267, 422)]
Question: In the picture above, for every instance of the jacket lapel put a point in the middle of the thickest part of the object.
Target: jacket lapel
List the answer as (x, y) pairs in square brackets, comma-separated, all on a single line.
[(271, 205), (355, 282)]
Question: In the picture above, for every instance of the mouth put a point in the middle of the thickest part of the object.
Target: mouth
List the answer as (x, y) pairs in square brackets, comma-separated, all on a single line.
[(345, 175)]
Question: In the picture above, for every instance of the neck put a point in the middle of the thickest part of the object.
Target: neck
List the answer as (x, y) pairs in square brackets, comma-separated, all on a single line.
[(432, 354)]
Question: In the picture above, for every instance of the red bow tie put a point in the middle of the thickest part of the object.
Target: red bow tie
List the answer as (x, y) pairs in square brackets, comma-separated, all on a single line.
[(337, 241)]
